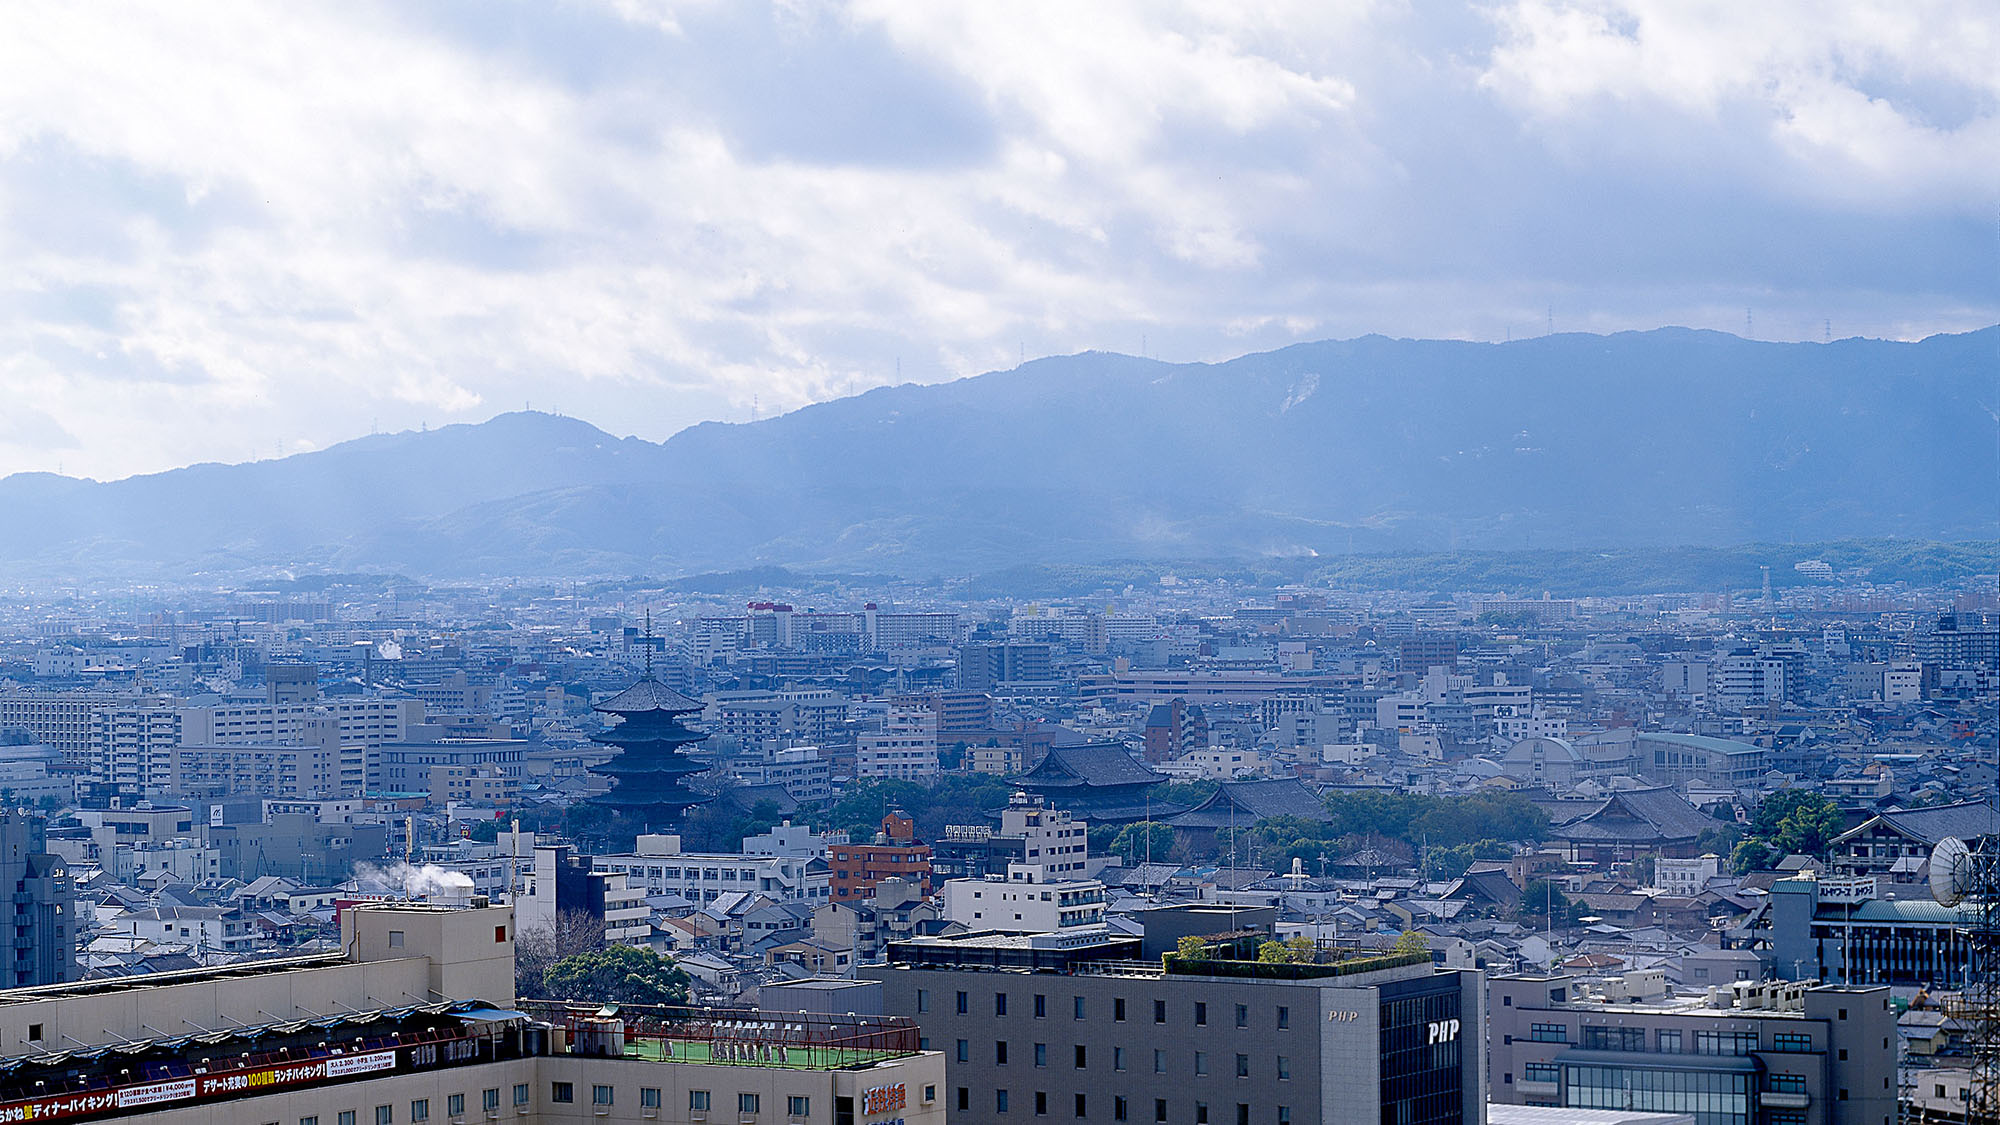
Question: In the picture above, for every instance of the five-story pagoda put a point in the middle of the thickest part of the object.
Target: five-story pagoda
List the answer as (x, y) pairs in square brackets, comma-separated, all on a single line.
[(646, 774)]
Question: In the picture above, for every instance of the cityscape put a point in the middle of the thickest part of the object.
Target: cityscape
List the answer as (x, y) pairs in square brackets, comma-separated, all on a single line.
[(914, 562)]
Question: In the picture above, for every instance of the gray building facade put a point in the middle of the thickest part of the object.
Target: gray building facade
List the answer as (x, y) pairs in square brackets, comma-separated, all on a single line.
[(42, 944), (1076, 1028), (1755, 1053)]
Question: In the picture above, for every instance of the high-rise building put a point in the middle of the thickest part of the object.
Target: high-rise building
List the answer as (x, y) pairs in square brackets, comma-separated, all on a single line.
[(44, 937), (1078, 1026)]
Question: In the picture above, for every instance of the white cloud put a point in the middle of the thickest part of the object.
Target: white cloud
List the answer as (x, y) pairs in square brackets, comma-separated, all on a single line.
[(233, 226)]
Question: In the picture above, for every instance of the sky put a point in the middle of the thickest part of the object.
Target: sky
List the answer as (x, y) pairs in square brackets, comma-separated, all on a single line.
[(232, 232)]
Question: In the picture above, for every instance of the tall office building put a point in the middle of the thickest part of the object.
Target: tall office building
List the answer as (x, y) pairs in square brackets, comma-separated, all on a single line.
[(44, 939), (1080, 1027)]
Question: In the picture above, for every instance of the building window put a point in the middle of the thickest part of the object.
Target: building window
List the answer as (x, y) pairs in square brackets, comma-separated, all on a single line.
[(964, 1050), (454, 1106), (420, 1109), (999, 1101), (1284, 1069), (1284, 1115), (1159, 1109), (964, 1095), (34, 1031), (1079, 1107), (698, 1101), (1041, 1103), (1242, 1113), (1159, 1061), (1041, 1054), (1614, 1038), (999, 1003), (1041, 1006), (1200, 1014), (746, 1104), (308, 1121), (1724, 1042), (600, 1095), (1549, 1033), (1201, 1062), (1118, 1009), (1119, 1109), (1541, 1072), (562, 1092), (385, 1115), (1242, 1015), (1201, 1113), (1118, 1058), (1079, 1056), (930, 1094), (1788, 1083), (344, 1117), (961, 1003), (1159, 1011), (1000, 1052), (1243, 1066), (1670, 1042), (1791, 1041), (923, 999), (520, 1096), (1284, 1018), (796, 1106), (649, 1097)]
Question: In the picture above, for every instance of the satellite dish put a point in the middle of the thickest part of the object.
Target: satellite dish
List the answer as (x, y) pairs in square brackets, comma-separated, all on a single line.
[(1951, 871)]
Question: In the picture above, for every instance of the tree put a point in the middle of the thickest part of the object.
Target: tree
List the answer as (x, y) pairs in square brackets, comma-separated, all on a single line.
[(1192, 948), (1750, 855), (537, 948), (1543, 904), (617, 974), (1274, 953), (1779, 806), (1146, 840), (1810, 829), (1412, 941), (485, 831)]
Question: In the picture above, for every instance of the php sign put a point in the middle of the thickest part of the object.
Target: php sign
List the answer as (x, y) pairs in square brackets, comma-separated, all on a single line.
[(1443, 1031)]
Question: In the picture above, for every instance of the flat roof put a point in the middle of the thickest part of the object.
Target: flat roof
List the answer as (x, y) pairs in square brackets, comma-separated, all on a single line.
[(161, 980)]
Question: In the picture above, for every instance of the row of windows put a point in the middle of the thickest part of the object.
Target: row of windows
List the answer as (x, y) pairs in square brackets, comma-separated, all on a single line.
[(1121, 1108), (489, 1100), (1283, 1068), (1672, 1042), (1283, 1015), (699, 1102)]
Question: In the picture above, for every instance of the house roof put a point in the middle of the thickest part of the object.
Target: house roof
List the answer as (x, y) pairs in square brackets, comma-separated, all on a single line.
[(1967, 820)]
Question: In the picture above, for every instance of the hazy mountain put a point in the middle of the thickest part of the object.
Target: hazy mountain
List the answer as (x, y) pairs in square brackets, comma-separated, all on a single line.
[(1656, 438)]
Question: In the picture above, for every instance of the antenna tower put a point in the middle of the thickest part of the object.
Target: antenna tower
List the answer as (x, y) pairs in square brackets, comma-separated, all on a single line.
[(1967, 879)]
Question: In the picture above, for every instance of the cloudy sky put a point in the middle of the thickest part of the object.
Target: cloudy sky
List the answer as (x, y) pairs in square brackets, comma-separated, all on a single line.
[(230, 232)]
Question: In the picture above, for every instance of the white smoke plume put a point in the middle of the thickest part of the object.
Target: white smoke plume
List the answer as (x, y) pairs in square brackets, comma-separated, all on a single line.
[(427, 882)]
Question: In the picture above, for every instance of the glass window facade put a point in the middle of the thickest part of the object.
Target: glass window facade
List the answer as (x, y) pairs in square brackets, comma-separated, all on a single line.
[(1549, 1033), (1712, 1097), (1614, 1038), (1423, 1045), (1724, 1042)]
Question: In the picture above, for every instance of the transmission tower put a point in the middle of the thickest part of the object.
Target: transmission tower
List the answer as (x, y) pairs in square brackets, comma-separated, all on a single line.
[(1971, 876)]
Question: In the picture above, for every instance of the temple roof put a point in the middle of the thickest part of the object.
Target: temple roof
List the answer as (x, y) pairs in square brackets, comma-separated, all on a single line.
[(649, 695), (1243, 803), (1089, 766), (1636, 816)]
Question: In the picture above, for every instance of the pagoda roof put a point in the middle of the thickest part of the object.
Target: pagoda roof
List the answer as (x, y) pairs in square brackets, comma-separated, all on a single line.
[(647, 695), (1094, 765)]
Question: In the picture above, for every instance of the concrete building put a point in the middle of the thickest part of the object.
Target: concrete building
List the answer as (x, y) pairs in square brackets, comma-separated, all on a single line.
[(1753, 1053), (43, 943), (658, 866), (415, 1021), (895, 854), (1077, 1027), (564, 882), (906, 748)]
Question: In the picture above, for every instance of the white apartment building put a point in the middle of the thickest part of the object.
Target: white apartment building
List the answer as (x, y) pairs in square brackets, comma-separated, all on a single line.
[(1017, 904), (660, 867), (62, 719), (905, 748)]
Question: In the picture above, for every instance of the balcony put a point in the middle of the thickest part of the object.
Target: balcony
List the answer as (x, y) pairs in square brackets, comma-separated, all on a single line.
[(1779, 1099)]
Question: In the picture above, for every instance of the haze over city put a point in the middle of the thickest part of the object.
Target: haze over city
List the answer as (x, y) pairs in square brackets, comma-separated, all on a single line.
[(909, 563)]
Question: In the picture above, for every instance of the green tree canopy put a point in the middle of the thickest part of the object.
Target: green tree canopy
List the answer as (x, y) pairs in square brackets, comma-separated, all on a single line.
[(617, 974)]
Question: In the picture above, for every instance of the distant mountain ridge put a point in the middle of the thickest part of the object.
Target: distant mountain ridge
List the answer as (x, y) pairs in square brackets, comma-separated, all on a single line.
[(1656, 438)]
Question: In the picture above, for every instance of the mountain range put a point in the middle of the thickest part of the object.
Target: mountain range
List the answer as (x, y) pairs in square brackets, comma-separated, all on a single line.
[(1645, 439)]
